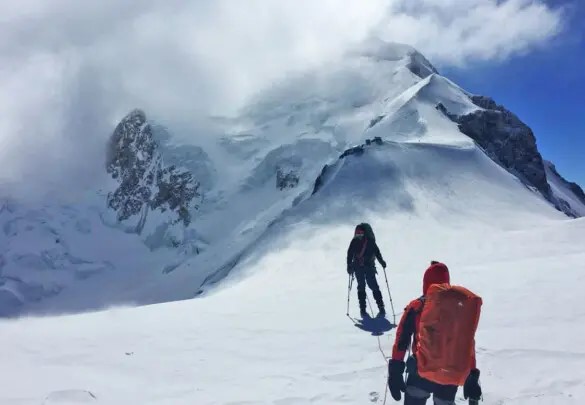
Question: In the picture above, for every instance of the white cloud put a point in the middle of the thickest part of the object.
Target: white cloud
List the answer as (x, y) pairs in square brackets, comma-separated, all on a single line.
[(453, 32), (69, 68)]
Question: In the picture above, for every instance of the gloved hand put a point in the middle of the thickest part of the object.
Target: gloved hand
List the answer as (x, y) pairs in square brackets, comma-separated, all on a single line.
[(383, 263), (396, 379), (349, 269), (471, 388)]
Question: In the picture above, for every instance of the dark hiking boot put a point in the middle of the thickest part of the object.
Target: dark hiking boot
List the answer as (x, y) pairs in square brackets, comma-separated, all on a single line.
[(362, 301), (380, 302)]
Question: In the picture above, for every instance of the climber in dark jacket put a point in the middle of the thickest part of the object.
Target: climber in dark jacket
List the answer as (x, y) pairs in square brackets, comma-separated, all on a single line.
[(361, 262)]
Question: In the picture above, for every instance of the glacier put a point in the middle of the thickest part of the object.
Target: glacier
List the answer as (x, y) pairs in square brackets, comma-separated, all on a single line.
[(238, 233), (178, 210)]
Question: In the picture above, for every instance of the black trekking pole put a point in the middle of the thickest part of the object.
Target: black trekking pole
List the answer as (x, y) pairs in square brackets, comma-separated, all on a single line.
[(390, 295), (349, 283)]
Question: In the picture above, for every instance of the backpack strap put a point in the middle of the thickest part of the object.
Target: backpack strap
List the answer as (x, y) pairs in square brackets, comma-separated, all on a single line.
[(360, 256), (421, 306), (417, 309)]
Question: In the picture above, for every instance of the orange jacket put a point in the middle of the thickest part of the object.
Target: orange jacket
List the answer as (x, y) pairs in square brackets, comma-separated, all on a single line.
[(407, 329)]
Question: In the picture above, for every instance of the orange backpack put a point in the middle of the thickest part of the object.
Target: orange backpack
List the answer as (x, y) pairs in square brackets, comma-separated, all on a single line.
[(446, 334)]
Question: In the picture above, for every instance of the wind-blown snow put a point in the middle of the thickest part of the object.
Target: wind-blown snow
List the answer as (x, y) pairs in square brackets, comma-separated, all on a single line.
[(258, 169), (284, 186)]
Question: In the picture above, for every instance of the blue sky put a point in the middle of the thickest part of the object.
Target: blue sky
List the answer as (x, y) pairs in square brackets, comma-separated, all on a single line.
[(546, 89)]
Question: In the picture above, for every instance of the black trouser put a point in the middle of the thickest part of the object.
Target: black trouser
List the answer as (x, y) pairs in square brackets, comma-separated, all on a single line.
[(419, 389), (363, 275)]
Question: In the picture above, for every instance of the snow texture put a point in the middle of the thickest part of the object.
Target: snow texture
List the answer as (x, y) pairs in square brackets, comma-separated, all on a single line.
[(373, 138), (275, 331)]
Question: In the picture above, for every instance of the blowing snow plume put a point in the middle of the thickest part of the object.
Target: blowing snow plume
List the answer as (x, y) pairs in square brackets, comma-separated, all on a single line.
[(178, 211), (252, 215), (71, 71)]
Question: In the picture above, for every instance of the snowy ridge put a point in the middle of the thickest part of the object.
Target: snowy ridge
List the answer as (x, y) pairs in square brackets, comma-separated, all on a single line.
[(497, 239), (252, 172), (375, 139), (411, 116)]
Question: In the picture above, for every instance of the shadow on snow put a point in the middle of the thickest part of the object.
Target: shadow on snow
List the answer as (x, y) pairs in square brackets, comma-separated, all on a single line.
[(376, 326)]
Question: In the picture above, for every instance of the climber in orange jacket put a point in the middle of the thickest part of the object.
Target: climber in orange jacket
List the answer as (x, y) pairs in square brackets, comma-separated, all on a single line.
[(418, 389)]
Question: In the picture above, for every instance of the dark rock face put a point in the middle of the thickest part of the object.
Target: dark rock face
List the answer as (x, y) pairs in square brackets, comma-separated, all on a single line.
[(510, 142), (321, 179), (377, 140), (356, 150), (574, 187), (130, 160), (374, 121), (176, 191), (134, 161), (286, 179), (441, 107), (486, 102)]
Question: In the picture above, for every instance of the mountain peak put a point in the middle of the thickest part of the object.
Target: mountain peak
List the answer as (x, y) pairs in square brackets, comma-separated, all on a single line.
[(380, 50)]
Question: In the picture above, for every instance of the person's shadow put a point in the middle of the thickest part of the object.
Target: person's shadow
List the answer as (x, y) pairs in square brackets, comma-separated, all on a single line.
[(377, 326)]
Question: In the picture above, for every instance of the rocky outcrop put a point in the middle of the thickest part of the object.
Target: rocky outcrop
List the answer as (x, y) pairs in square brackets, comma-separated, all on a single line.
[(441, 107), (286, 178), (375, 120), (486, 102), (511, 143), (144, 182), (574, 187), (506, 139)]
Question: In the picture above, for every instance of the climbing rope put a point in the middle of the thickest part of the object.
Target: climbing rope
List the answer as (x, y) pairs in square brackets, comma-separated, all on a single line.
[(384, 357), (382, 352)]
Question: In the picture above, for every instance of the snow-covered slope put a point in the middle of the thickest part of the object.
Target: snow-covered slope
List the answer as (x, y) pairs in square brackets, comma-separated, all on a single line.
[(52, 249), (377, 138), (182, 208), (280, 336)]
